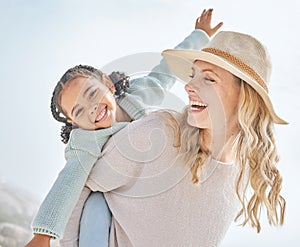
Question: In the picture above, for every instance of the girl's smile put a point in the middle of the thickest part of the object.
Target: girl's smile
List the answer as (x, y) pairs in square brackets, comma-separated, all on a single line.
[(101, 116), (89, 103)]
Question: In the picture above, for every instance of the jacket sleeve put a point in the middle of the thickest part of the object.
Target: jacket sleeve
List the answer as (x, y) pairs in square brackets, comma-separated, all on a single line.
[(55, 210), (147, 93)]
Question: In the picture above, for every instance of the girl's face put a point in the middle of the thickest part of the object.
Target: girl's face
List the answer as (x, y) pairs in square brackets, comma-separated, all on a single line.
[(213, 96), (89, 103)]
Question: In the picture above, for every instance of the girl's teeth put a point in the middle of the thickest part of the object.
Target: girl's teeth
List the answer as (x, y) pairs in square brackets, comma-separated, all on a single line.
[(101, 115)]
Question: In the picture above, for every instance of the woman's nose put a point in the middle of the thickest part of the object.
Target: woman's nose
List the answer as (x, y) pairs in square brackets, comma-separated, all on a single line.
[(188, 88)]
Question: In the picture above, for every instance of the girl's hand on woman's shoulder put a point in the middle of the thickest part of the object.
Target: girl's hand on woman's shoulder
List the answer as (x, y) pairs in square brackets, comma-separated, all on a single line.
[(203, 22)]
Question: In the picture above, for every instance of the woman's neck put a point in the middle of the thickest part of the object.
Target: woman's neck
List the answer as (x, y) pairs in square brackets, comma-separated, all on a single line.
[(221, 143)]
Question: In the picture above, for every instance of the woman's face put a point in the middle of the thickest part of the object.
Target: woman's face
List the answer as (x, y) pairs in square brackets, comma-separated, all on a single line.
[(89, 103), (213, 96)]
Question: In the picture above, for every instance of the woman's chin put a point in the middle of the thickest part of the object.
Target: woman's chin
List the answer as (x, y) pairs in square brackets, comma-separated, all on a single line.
[(198, 123)]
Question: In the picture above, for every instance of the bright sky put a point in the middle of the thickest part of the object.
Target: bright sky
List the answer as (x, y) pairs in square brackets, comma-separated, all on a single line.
[(40, 40)]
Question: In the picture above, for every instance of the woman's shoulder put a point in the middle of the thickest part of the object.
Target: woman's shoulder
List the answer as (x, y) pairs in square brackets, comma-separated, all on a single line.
[(151, 130), (157, 121)]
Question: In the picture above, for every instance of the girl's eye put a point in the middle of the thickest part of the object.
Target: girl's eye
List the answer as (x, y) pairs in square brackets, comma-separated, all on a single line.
[(92, 94), (78, 112)]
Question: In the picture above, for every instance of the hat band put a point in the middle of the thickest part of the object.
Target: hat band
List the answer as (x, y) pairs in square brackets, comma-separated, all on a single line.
[(239, 64)]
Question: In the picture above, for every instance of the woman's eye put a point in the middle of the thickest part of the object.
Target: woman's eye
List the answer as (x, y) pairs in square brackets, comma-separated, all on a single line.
[(78, 112), (209, 81), (192, 75)]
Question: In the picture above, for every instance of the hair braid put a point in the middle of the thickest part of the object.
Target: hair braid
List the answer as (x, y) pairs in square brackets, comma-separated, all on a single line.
[(56, 111), (121, 82)]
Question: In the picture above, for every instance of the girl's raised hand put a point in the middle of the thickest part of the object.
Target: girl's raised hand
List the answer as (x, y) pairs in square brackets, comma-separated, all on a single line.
[(203, 22)]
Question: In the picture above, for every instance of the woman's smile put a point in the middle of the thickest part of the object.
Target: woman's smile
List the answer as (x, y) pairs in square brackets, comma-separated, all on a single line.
[(197, 106)]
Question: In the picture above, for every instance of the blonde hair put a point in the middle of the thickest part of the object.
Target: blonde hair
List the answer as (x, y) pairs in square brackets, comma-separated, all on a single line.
[(256, 154)]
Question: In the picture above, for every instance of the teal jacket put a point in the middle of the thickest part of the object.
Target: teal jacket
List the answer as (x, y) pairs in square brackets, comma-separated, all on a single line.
[(84, 147)]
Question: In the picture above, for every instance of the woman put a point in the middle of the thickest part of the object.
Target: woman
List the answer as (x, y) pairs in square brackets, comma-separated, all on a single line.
[(85, 99), (181, 180)]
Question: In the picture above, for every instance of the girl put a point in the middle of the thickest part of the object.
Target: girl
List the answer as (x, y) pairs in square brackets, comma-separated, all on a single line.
[(84, 99), (182, 180)]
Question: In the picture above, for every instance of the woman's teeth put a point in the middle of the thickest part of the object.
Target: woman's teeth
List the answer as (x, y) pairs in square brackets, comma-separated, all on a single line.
[(101, 115), (196, 105)]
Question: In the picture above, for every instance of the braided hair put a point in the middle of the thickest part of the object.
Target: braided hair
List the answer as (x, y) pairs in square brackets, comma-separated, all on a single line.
[(120, 80), (121, 83)]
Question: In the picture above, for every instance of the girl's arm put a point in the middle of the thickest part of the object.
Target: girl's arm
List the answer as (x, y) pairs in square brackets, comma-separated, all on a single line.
[(54, 212), (70, 237), (147, 93), (82, 152), (39, 240), (56, 208), (195, 41)]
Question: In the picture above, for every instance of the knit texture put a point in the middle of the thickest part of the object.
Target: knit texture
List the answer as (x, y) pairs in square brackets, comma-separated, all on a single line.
[(153, 200), (84, 148)]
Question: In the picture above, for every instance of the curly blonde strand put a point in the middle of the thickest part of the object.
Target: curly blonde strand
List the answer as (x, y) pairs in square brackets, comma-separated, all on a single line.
[(257, 156), (190, 141)]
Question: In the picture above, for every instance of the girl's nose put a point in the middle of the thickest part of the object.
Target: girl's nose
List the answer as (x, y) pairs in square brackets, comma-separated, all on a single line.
[(93, 109)]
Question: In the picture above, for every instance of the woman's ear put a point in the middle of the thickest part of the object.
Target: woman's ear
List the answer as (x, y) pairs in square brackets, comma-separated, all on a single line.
[(108, 82)]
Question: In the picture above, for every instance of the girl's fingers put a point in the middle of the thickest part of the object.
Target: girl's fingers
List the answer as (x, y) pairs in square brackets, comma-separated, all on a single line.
[(217, 27), (209, 13)]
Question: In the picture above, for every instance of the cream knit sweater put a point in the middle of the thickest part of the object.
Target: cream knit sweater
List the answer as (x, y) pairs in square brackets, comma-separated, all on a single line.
[(151, 196)]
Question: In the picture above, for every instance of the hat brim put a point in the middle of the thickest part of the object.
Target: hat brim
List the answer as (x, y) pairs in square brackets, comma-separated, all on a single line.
[(181, 61)]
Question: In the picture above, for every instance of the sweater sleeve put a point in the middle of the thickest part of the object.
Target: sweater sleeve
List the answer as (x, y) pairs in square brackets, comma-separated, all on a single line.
[(147, 93), (82, 152), (71, 235), (195, 41), (55, 211)]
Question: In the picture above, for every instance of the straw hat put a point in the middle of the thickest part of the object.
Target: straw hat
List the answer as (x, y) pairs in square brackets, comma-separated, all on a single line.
[(238, 53)]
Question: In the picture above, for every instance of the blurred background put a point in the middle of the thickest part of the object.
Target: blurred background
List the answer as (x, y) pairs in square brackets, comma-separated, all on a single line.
[(40, 40)]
